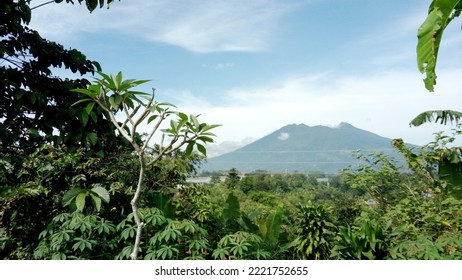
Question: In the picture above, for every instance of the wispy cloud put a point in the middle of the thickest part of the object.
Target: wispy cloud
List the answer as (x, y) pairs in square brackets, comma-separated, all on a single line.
[(219, 66), (199, 26)]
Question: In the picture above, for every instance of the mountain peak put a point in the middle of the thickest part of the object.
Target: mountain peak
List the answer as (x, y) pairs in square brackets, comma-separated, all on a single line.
[(345, 125), (294, 125), (298, 147)]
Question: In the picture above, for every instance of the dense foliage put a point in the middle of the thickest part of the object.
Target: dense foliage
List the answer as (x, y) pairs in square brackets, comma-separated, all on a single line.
[(374, 211), (77, 183)]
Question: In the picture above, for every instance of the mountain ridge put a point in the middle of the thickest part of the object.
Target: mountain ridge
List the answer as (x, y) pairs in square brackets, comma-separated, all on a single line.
[(303, 148)]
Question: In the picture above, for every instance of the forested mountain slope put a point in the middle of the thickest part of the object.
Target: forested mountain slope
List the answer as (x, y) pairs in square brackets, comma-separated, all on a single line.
[(304, 148)]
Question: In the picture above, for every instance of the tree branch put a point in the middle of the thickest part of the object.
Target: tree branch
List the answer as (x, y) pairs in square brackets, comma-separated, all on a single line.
[(151, 134), (43, 4)]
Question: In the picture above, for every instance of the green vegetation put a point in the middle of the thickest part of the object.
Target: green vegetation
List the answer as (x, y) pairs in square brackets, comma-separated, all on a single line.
[(102, 190), (374, 211)]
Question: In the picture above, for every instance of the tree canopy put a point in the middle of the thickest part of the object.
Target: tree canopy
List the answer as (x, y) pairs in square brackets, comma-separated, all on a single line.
[(35, 105)]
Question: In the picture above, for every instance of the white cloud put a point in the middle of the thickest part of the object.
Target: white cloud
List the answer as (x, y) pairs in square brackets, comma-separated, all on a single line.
[(200, 26), (383, 103), (283, 136), (216, 149)]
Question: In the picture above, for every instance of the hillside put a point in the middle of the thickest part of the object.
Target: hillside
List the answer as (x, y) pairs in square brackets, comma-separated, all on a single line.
[(303, 148)]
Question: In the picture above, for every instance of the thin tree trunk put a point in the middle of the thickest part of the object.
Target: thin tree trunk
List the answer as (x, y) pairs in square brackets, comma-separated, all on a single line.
[(134, 203)]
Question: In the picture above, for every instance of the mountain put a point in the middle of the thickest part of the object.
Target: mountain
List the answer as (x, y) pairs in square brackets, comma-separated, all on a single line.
[(303, 148)]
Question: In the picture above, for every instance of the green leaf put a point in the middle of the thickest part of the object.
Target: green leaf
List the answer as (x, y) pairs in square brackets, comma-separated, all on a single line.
[(91, 4), (263, 228), (201, 149), (443, 116), (84, 117), (129, 102), (231, 210), (85, 91), (206, 139), (93, 138), (96, 63), (82, 101), (96, 201), (89, 107), (273, 224), (111, 100), (80, 201), (100, 154), (195, 121), (139, 82), (167, 104), (106, 77), (189, 148), (128, 232), (151, 118), (93, 116), (182, 116), (118, 80), (70, 195), (429, 37), (210, 127), (174, 127), (181, 124), (33, 132), (101, 192)]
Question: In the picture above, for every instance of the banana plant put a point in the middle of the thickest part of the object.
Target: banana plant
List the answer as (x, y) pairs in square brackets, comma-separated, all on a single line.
[(441, 116), (440, 14), (436, 158), (270, 228)]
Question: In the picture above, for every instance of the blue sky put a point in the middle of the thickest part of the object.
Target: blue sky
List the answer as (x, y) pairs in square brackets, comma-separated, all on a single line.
[(255, 66)]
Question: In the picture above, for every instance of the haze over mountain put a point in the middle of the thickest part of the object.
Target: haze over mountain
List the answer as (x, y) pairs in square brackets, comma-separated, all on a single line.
[(303, 148)]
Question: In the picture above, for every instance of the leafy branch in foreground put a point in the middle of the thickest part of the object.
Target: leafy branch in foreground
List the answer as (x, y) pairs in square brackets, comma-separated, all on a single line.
[(441, 116), (119, 101), (440, 14)]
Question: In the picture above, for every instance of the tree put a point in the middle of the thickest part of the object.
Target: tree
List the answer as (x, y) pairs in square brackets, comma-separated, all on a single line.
[(35, 105), (35, 109), (114, 95), (233, 178)]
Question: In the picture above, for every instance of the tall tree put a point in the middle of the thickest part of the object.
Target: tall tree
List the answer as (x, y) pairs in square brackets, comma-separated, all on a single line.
[(35, 108), (113, 95)]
